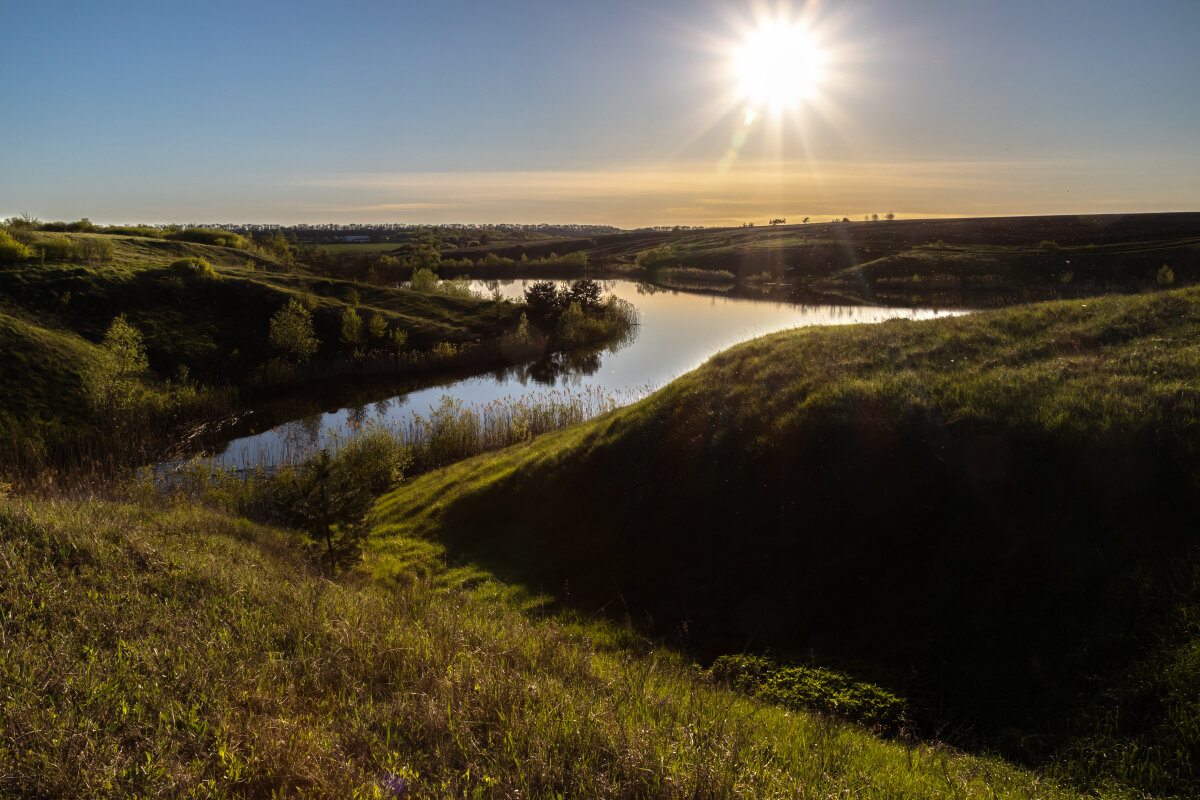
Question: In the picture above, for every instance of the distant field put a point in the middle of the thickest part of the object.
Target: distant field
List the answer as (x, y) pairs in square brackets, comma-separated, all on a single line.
[(371, 247)]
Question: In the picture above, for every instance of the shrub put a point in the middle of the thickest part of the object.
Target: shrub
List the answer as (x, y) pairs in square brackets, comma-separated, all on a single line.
[(456, 287), (291, 332), (214, 236), (801, 688), (57, 248), (1166, 276), (424, 280), (111, 377), (1048, 245), (96, 250), (577, 328), (10, 249), (657, 257), (193, 267)]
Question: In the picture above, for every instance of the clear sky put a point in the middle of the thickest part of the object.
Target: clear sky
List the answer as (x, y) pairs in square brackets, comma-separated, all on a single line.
[(616, 112)]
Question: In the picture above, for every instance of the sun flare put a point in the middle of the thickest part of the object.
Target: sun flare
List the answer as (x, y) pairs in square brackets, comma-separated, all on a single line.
[(780, 65)]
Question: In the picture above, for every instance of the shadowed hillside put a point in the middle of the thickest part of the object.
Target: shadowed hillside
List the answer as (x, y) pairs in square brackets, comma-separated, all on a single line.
[(992, 515)]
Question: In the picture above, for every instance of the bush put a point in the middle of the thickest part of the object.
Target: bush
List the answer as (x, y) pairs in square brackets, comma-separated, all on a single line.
[(801, 688), (424, 280), (10, 249), (214, 236), (193, 267), (456, 287), (95, 250), (112, 376), (657, 257), (57, 248), (1166, 276)]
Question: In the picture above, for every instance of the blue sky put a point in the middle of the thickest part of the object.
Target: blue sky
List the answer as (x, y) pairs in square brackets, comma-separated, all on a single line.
[(618, 112)]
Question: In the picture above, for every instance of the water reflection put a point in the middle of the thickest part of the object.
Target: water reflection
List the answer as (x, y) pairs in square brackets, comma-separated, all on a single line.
[(679, 330)]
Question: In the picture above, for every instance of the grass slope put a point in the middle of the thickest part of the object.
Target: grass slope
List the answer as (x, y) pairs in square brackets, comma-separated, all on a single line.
[(179, 652), (41, 371), (993, 515), (217, 328)]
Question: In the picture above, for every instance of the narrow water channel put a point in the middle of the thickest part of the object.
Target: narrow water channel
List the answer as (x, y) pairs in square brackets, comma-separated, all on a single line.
[(678, 331)]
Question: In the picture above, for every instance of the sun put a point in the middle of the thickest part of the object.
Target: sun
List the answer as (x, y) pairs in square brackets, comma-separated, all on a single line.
[(779, 66)]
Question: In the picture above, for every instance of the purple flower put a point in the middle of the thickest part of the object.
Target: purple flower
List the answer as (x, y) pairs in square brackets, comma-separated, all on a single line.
[(395, 784)]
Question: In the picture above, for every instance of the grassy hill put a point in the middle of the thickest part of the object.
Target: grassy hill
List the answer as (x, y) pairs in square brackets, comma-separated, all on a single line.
[(993, 516), (217, 327), (203, 330), (171, 652)]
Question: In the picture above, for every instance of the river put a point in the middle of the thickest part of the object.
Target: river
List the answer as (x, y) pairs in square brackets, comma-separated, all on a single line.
[(678, 331)]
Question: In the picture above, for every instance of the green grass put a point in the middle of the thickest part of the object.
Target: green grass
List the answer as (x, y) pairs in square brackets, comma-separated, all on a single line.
[(992, 516), (179, 652)]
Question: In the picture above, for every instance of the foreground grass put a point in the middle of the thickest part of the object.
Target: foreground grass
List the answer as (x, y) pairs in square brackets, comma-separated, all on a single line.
[(992, 516), (180, 652)]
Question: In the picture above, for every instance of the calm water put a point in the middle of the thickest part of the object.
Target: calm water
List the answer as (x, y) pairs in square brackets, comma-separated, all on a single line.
[(678, 332)]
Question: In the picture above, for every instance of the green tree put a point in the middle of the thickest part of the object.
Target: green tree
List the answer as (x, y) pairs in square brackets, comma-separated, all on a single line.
[(352, 331), (291, 332), (586, 292), (543, 299), (280, 247), (377, 327), (424, 280), (111, 377), (331, 505)]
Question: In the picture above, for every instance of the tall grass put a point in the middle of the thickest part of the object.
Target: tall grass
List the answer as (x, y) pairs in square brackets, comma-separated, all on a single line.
[(178, 652)]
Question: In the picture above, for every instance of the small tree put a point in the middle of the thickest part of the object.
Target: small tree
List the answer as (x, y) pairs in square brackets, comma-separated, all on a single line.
[(291, 332), (111, 376), (377, 327), (332, 506), (542, 298), (352, 330), (1166, 276), (586, 292)]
